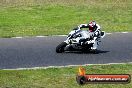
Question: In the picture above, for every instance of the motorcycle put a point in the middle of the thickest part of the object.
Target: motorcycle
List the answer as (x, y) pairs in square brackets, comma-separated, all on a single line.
[(72, 42)]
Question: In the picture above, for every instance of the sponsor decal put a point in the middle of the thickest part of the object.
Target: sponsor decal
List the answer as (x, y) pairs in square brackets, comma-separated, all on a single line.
[(83, 78)]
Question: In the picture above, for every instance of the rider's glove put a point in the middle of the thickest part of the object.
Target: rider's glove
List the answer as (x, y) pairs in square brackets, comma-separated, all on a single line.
[(93, 41), (95, 38)]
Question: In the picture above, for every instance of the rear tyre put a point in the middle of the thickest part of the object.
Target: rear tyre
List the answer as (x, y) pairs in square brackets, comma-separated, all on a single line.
[(94, 51), (60, 47)]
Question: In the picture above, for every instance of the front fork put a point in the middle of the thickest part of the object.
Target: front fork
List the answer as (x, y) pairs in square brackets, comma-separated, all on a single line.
[(67, 41)]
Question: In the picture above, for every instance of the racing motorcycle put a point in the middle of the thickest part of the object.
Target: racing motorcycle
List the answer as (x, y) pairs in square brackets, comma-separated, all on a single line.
[(71, 43)]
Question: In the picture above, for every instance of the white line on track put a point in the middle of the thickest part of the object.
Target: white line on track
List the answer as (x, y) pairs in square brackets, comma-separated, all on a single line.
[(41, 36), (17, 37), (108, 33), (59, 35), (63, 66), (124, 32), (66, 35)]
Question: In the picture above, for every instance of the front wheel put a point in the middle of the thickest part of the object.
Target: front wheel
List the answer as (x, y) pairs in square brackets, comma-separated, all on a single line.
[(60, 47)]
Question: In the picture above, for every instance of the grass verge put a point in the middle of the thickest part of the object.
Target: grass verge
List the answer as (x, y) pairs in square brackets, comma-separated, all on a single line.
[(55, 17), (60, 77)]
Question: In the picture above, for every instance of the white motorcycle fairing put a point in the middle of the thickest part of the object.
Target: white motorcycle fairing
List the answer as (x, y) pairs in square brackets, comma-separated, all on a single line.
[(73, 41)]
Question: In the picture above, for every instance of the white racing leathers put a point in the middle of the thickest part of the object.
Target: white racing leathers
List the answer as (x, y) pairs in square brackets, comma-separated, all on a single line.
[(95, 34)]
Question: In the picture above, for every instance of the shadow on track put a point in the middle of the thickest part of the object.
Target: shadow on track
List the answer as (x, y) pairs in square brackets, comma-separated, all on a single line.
[(87, 52)]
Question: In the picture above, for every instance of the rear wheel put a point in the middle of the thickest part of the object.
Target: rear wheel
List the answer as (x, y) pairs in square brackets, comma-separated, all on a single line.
[(94, 51), (60, 47)]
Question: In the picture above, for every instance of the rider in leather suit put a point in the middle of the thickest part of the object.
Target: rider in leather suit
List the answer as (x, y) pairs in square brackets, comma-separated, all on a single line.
[(94, 30)]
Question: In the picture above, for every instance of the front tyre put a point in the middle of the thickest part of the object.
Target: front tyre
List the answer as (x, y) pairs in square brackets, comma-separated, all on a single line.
[(60, 47)]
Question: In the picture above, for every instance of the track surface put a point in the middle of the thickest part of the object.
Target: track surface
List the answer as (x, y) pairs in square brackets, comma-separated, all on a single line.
[(40, 52)]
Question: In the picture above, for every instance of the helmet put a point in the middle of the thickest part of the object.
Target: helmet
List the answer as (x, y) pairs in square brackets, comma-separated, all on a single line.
[(92, 25)]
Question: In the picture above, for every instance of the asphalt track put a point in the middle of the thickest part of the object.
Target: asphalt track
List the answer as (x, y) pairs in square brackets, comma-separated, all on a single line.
[(40, 52)]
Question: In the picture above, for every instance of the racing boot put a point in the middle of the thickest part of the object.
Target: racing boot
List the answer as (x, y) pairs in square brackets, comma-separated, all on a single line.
[(94, 48)]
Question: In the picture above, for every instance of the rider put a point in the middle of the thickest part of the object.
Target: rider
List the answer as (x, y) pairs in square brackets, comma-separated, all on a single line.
[(94, 29)]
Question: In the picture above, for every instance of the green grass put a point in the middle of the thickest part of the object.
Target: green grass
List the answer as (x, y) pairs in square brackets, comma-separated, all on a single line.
[(60, 77), (55, 17)]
